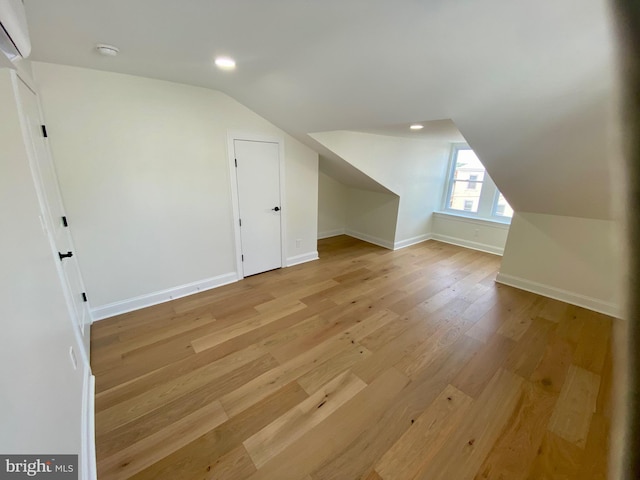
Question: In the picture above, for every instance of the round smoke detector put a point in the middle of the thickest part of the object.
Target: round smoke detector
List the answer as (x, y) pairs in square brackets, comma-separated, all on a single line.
[(107, 50)]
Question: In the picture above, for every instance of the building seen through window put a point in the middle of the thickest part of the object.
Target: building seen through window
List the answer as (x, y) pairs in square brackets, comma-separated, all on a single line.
[(471, 191)]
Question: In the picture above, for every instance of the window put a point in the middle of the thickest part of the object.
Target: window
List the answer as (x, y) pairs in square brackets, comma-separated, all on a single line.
[(470, 190), (502, 207)]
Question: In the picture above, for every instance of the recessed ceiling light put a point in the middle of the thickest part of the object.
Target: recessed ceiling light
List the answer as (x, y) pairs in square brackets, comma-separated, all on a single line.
[(416, 126), (225, 63), (107, 50)]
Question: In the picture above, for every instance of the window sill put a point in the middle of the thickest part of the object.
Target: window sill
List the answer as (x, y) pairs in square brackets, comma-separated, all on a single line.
[(477, 220)]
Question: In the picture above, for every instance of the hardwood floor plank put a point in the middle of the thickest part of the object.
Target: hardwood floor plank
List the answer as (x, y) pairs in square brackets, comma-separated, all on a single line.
[(135, 407), (557, 459), (234, 301), (475, 376), (149, 450), (313, 380), (371, 444), (280, 433), (577, 403), (465, 450), (108, 442), (447, 333), (514, 453), (336, 322), (595, 462), (383, 335), (553, 310), (174, 326), (216, 338), (267, 383), (198, 458), (295, 293), (372, 475), (323, 442), (551, 372), (235, 465), (529, 350), (593, 343), (424, 437), (504, 306)]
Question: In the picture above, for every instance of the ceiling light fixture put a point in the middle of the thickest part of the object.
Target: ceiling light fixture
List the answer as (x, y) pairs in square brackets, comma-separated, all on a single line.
[(225, 63), (107, 50), (416, 126)]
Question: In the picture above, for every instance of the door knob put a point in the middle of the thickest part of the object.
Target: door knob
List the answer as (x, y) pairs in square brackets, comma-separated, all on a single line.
[(65, 255), (276, 209)]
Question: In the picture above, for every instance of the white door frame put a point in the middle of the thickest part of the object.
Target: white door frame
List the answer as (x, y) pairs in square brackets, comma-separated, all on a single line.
[(253, 137), (82, 333)]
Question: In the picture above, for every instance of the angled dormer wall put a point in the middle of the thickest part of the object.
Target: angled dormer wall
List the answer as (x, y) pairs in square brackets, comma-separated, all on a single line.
[(413, 169)]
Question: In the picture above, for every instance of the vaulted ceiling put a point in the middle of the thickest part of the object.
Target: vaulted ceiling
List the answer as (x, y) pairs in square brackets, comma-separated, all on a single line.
[(531, 85)]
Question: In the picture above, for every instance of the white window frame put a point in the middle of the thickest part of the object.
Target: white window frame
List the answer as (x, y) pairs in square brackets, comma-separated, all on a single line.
[(494, 210), (488, 192)]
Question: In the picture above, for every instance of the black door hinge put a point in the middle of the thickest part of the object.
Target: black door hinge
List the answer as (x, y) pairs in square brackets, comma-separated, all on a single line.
[(236, 160), (44, 131), (64, 222), (242, 256), (240, 221), (84, 297)]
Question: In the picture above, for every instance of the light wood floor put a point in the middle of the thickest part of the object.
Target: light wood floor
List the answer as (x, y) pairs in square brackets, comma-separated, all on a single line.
[(367, 364)]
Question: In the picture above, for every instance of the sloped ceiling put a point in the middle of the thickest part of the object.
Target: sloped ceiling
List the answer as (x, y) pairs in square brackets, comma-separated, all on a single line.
[(529, 84)]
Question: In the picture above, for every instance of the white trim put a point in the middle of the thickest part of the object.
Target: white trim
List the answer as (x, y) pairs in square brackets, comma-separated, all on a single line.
[(331, 233), (566, 296), (412, 241), (89, 469), (142, 301), (370, 239), (461, 242), (233, 135), (305, 257), (485, 222)]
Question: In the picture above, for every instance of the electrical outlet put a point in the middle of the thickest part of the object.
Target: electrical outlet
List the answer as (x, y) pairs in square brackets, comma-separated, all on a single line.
[(298, 242)]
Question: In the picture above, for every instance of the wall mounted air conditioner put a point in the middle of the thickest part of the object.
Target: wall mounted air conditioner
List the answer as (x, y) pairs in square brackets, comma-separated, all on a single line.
[(14, 36)]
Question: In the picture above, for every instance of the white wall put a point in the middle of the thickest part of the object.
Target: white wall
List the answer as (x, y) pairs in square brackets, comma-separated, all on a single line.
[(371, 216), (144, 175), (41, 400), (414, 169), (572, 259), (364, 214), (332, 206), (467, 232)]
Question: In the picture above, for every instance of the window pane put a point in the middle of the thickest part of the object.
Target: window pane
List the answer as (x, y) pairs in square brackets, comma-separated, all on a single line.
[(467, 182), (503, 209), (463, 198)]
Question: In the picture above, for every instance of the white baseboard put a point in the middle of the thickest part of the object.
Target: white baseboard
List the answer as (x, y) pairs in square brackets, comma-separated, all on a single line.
[(369, 238), (573, 298), (305, 257), (142, 301), (461, 242), (331, 233), (412, 241)]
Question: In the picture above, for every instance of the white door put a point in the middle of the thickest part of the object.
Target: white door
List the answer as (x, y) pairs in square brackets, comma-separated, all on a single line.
[(258, 179), (55, 219)]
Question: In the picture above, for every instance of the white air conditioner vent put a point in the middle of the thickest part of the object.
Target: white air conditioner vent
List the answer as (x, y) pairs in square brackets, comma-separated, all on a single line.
[(14, 35)]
